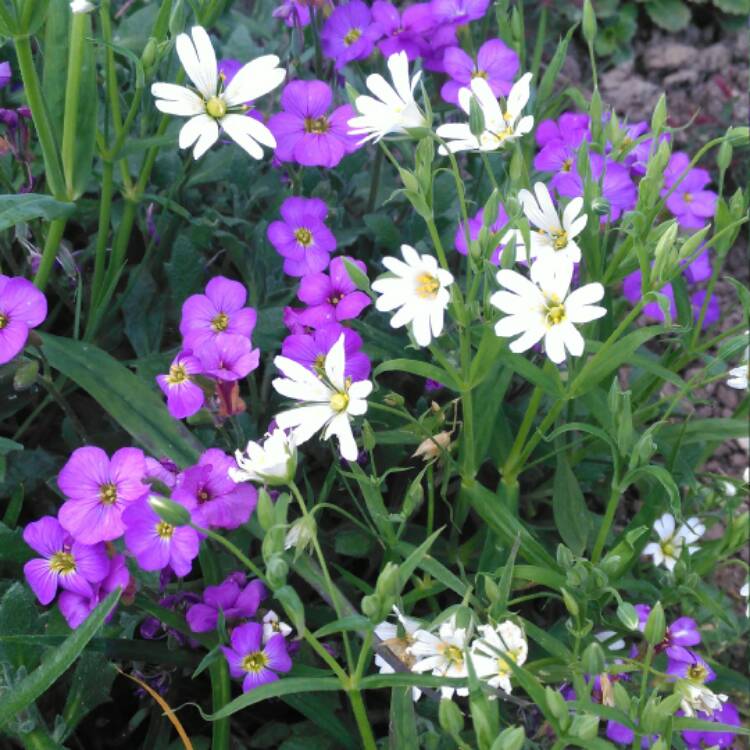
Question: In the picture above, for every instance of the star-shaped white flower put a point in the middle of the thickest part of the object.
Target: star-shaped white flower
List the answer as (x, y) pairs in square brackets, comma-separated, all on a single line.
[(388, 632), (212, 107), (331, 400), (500, 125), (272, 625), (419, 287), (493, 649), (668, 549), (273, 463), (544, 308), (393, 109), (739, 375)]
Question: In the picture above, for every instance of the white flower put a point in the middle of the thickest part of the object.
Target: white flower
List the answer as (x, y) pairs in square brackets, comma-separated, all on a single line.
[(419, 289), (697, 698), (543, 308), (393, 109), (740, 374), (668, 549), (745, 591), (301, 533), (499, 126), (81, 6), (492, 651), (442, 654), (332, 400), (605, 636), (397, 644), (553, 242), (273, 463), (272, 625), (210, 106)]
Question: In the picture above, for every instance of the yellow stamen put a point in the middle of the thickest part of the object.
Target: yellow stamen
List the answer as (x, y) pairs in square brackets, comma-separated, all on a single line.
[(559, 239), (164, 530), (4, 320), (688, 197), (427, 286), (317, 125), (452, 654), (203, 497), (177, 375), (567, 165), (352, 36), (220, 322), (697, 673), (62, 563), (254, 662), (108, 494), (339, 401), (216, 107), (480, 74), (303, 236), (555, 313)]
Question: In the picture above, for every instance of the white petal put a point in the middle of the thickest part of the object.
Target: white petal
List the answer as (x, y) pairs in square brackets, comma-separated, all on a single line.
[(554, 345), (238, 128), (199, 60), (571, 338), (254, 79), (201, 130), (519, 94), (529, 339), (340, 427), (177, 100), (489, 105), (335, 363), (305, 421), (420, 327)]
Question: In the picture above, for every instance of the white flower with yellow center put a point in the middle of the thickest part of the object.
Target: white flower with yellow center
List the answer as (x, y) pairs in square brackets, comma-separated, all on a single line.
[(212, 107), (331, 400), (444, 654), (500, 125), (397, 638), (273, 463), (668, 549), (272, 625), (393, 109), (697, 698), (419, 287), (494, 649), (544, 308)]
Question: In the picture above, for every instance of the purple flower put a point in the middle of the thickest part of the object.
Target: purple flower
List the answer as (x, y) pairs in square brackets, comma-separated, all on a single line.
[(252, 661), (560, 142), (98, 491), (689, 203), (686, 664), (293, 13), (311, 349), (475, 226), (64, 562), (434, 43), (22, 307), (230, 357), (218, 502), (555, 130), (458, 12), (696, 739), (184, 396), (495, 62), (6, 74), (219, 312), (305, 132), (331, 297), (156, 543), (152, 628), (291, 318), (161, 470), (76, 607), (348, 34), (302, 238), (235, 600), (401, 31), (699, 269), (682, 632)]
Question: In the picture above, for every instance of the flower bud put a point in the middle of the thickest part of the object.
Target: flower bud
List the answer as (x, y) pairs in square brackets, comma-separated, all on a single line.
[(451, 718), (659, 117), (601, 206), (476, 118), (557, 705), (656, 625), (264, 510), (665, 259), (301, 534), (511, 738), (589, 22), (372, 607), (169, 511), (394, 399), (593, 659), (724, 157), (277, 570), (627, 615), (387, 586), (564, 556), (25, 376), (148, 56), (584, 726)]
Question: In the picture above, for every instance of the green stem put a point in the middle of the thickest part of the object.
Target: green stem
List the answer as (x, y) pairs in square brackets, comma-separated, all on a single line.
[(51, 244), (100, 251), (72, 94), (609, 516), (375, 181), (363, 723), (523, 431)]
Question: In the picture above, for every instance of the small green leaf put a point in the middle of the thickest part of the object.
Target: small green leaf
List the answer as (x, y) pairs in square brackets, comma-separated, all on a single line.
[(423, 369), (572, 516), (671, 15), (18, 209)]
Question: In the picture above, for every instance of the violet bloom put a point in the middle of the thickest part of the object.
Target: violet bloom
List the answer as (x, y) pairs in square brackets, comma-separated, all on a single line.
[(219, 312), (555, 130), (696, 739), (560, 142), (156, 544), (495, 62), (401, 32), (22, 307), (458, 12), (184, 396), (99, 489), (230, 357), (302, 238), (251, 660), (348, 34), (681, 633), (305, 131), (218, 502), (331, 297), (434, 42), (687, 665), (76, 607), (310, 350), (64, 562), (161, 470), (690, 203), (5, 74), (233, 600), (475, 227), (293, 13)]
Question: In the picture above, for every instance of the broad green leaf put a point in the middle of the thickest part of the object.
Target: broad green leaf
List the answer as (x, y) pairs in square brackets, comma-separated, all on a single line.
[(550, 383), (89, 687), (671, 15), (54, 66), (409, 565), (703, 430), (548, 642), (665, 479), (401, 720), (572, 516), (423, 369), (549, 79), (17, 209), (134, 405)]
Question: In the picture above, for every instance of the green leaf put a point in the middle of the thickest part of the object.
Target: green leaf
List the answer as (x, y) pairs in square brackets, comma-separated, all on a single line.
[(54, 66), (401, 721), (549, 79), (665, 479), (548, 382), (410, 564), (55, 663), (89, 687), (423, 369), (129, 400), (358, 276), (572, 516), (703, 430), (671, 15), (17, 209), (352, 622), (374, 500)]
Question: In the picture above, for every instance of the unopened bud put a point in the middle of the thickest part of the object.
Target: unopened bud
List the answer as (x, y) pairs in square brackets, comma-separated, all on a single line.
[(656, 625), (25, 376), (628, 616), (476, 118), (169, 511), (451, 718), (589, 22)]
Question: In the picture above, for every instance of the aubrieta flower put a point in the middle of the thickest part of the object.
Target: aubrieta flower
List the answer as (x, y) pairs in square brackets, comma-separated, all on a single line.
[(499, 126), (458, 12), (690, 203), (235, 599), (330, 401), (495, 62), (331, 297), (397, 638), (64, 562), (220, 311), (156, 544), (419, 289), (98, 489), (668, 549), (696, 739), (305, 131), (476, 223), (210, 106), (22, 307), (559, 141), (545, 308), (184, 396), (302, 239), (229, 357), (216, 500), (392, 110), (494, 648), (274, 462), (272, 625), (348, 34), (6, 74), (253, 661), (401, 31)]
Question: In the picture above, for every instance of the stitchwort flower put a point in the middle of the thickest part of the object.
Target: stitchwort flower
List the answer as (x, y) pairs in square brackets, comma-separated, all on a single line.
[(273, 463), (254, 662), (672, 539), (495, 647)]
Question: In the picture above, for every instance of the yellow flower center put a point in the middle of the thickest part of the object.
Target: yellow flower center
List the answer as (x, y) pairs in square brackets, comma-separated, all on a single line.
[(352, 36), (220, 322), (177, 375), (427, 286), (503, 668), (554, 311), (255, 662), (203, 497), (216, 107), (688, 197), (335, 299), (480, 74), (559, 239), (62, 563), (303, 235), (668, 548), (108, 494), (339, 401), (452, 654), (164, 530), (4, 320), (317, 125), (567, 165), (697, 673)]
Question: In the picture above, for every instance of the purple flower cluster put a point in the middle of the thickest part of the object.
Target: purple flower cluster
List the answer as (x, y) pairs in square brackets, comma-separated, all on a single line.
[(216, 328), (22, 307), (15, 135)]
